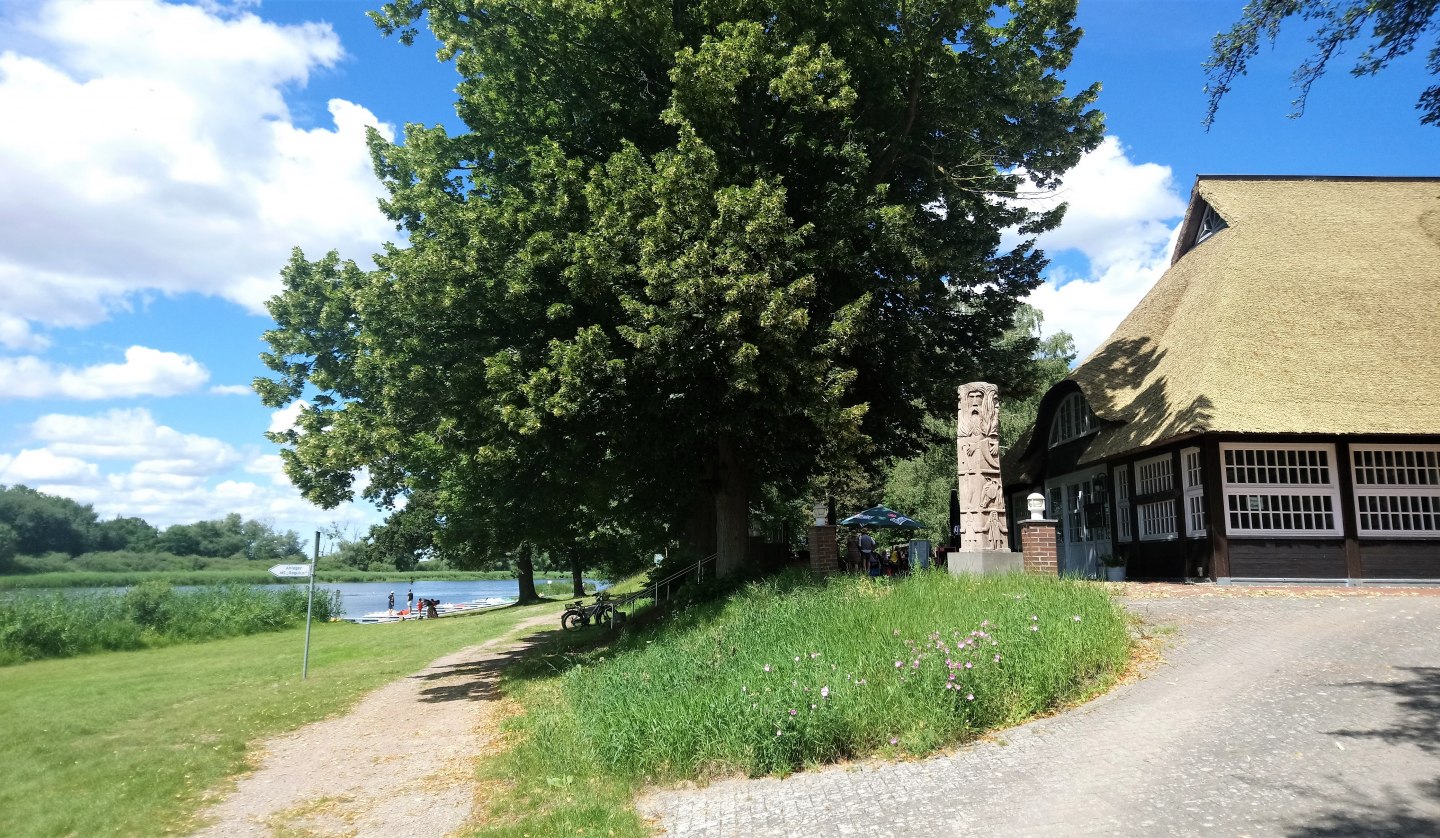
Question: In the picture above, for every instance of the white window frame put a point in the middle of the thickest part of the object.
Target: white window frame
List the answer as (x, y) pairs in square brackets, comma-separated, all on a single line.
[(1156, 520), (1270, 497), (1421, 496), (1073, 419), (1120, 479), (1192, 472), (1154, 475)]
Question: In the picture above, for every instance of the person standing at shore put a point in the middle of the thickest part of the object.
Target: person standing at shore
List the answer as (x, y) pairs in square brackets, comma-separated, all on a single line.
[(410, 600), (391, 606)]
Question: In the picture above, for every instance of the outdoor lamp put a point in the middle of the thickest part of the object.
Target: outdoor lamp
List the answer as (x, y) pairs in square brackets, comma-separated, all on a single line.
[(821, 511), (1036, 504)]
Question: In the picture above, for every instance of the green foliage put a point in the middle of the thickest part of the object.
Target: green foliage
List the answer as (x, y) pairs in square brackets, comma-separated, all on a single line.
[(1395, 26), (43, 523), (34, 627), (680, 253)]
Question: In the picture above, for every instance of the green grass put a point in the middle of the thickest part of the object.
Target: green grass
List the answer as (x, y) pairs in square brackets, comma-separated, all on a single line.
[(125, 743), (39, 626), (691, 697)]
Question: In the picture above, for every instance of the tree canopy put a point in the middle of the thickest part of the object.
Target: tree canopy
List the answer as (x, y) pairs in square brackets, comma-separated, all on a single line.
[(1390, 28), (681, 251)]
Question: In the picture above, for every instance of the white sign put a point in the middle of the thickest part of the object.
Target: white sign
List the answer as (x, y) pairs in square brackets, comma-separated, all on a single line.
[(285, 571)]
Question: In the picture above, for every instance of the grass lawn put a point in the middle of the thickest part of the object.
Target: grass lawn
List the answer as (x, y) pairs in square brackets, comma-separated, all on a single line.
[(789, 674), (124, 743)]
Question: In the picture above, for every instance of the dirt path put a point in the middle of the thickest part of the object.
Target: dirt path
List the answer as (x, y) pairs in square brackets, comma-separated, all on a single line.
[(344, 776)]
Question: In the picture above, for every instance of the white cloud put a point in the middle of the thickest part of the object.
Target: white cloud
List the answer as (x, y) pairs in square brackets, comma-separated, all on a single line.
[(33, 467), (145, 372), (159, 155), (134, 435), (232, 390), (284, 419), (1123, 217)]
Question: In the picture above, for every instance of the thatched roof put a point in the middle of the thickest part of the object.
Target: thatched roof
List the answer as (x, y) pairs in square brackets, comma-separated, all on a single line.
[(1316, 309)]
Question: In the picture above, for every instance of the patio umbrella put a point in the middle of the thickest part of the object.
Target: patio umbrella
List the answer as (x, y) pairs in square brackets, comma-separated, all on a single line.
[(882, 516)]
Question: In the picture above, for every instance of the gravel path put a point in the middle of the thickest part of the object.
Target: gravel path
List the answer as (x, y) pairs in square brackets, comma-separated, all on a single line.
[(1272, 714), (344, 776)]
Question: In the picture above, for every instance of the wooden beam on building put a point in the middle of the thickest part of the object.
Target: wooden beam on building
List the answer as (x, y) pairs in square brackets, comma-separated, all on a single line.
[(1214, 482), (1349, 522)]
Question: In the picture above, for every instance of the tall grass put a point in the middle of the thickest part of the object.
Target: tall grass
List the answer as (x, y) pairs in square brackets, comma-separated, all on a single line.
[(55, 625), (790, 673)]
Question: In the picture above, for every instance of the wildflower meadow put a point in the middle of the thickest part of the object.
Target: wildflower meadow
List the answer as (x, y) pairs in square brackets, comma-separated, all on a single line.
[(792, 673)]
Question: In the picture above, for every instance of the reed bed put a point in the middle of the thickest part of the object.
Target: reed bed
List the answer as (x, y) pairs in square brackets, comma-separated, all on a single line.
[(37, 626)]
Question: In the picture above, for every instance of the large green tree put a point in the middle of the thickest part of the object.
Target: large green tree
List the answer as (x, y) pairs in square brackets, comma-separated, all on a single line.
[(681, 251), (1389, 28)]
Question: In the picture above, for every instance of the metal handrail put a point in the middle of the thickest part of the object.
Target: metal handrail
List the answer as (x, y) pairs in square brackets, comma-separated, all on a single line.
[(652, 591)]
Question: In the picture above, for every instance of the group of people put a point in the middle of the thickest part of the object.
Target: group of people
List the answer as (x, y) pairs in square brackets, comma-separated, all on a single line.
[(427, 606), (863, 555)]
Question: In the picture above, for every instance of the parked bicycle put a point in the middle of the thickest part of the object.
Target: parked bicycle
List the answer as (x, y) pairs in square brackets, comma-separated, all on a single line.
[(578, 614)]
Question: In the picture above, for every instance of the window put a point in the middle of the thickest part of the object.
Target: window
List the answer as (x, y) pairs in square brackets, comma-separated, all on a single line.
[(1210, 224), (1121, 479), (1280, 489), (1397, 490), (1157, 520), (1154, 475), (1073, 420), (1194, 492)]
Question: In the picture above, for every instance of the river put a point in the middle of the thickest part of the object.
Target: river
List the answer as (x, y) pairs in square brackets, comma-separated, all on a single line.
[(361, 598)]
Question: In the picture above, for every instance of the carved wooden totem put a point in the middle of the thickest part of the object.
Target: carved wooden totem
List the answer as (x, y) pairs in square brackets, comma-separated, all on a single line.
[(977, 444)]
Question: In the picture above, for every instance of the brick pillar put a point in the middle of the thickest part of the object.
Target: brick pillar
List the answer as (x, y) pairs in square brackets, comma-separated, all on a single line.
[(824, 552), (1037, 542)]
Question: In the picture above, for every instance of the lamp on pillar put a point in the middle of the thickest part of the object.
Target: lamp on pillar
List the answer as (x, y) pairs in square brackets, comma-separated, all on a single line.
[(1035, 502)]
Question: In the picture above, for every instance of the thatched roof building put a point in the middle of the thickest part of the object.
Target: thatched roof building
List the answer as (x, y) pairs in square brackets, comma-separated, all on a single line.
[(1299, 309)]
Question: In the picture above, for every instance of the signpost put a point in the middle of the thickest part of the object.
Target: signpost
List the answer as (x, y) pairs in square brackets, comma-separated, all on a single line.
[(300, 571), (309, 605), (290, 571)]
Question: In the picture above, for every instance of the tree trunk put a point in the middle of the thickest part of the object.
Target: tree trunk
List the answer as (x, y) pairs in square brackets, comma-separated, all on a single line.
[(525, 574), (732, 510), (575, 572)]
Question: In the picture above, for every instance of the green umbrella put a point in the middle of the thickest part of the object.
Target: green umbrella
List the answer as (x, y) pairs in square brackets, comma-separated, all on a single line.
[(882, 516)]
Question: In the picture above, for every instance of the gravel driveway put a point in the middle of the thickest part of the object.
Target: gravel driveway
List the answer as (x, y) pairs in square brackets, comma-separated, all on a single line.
[(1303, 715)]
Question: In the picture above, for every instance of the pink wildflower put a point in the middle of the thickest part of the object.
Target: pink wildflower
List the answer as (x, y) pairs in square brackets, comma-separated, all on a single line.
[(997, 658), (970, 696), (1034, 628), (824, 692), (794, 712), (767, 667), (1077, 618), (969, 665), (894, 741)]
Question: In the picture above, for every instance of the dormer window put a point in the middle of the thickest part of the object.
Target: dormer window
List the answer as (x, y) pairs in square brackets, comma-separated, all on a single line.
[(1210, 224), (1072, 420)]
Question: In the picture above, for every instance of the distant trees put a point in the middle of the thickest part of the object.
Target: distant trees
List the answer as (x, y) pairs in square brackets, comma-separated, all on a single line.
[(33, 523)]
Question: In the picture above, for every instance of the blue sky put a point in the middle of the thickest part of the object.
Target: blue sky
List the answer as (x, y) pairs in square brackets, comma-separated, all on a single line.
[(158, 161)]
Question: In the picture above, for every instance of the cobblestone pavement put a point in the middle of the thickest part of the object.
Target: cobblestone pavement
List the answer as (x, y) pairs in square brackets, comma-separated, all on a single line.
[(1268, 716)]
